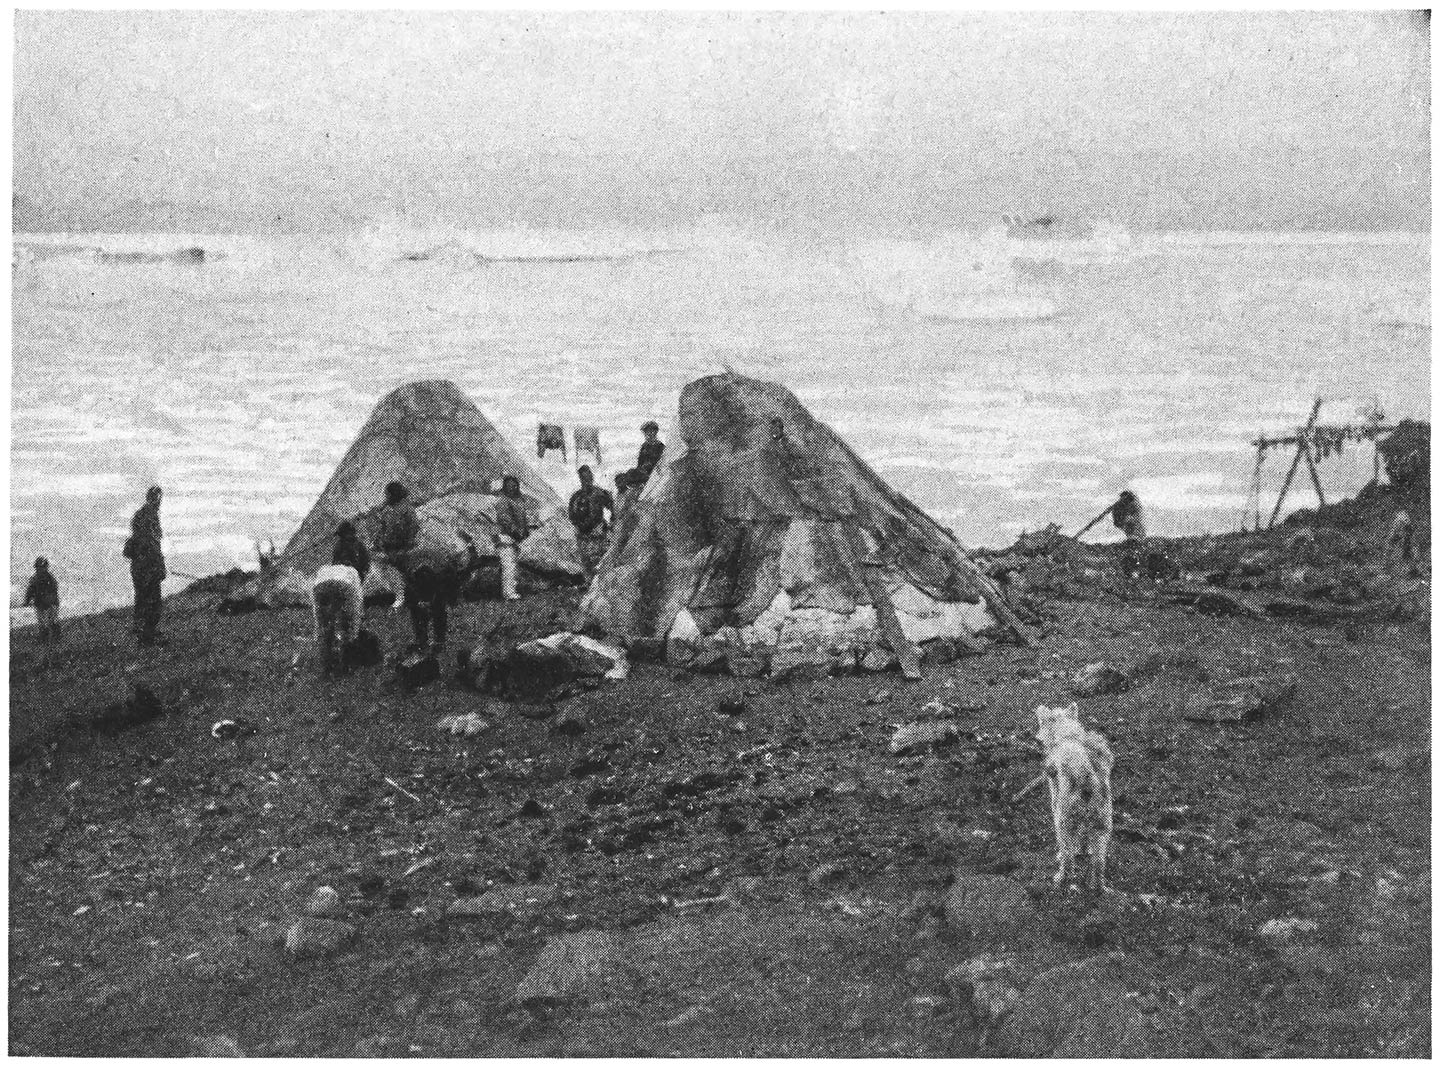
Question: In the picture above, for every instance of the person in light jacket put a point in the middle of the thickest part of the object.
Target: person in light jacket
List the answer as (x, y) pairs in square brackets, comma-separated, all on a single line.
[(513, 524)]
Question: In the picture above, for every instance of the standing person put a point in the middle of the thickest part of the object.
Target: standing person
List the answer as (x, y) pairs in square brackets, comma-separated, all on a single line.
[(349, 551), (147, 567), (514, 527), (44, 593), (399, 527), (394, 543), (1128, 517), (1130, 520), (587, 514)]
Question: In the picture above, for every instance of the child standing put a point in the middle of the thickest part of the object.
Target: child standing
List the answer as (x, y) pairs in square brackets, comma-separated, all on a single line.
[(44, 593)]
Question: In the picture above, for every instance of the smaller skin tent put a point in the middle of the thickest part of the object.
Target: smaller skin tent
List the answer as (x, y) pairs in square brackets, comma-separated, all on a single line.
[(430, 437), (762, 534)]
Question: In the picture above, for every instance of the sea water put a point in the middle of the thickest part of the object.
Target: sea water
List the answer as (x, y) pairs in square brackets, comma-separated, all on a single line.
[(1000, 384)]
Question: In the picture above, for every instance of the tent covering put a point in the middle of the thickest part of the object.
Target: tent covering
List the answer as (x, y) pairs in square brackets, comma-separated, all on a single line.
[(430, 437), (762, 533)]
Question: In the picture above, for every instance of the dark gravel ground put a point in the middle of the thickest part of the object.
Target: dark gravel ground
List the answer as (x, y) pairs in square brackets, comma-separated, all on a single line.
[(154, 872)]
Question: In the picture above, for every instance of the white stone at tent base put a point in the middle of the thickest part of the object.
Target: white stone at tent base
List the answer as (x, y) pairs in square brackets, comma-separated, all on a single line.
[(820, 635)]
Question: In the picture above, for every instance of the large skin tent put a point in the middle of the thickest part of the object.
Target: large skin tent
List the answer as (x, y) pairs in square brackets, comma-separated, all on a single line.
[(762, 534), (430, 437)]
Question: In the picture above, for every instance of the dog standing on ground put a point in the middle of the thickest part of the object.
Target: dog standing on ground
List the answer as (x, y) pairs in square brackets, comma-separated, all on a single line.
[(339, 604), (1077, 769)]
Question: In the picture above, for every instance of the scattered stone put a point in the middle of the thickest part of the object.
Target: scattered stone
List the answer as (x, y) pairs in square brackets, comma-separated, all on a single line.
[(569, 722), (567, 967), (878, 660), (1244, 700), (216, 1047), (735, 725), (1286, 928), (520, 901), (533, 808), (324, 902), (1099, 679), (921, 734), (463, 725), (883, 696), (989, 907), (731, 703), (472, 665), (317, 936), (747, 666), (709, 661), (418, 669), (825, 872)]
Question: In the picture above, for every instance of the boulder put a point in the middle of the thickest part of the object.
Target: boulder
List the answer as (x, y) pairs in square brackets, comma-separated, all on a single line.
[(531, 671), (991, 983), (1099, 679), (1243, 700), (568, 967), (310, 937), (921, 735), (990, 908), (1079, 1010)]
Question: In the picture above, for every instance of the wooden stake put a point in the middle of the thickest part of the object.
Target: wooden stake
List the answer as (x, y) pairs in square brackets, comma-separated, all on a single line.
[(1299, 455)]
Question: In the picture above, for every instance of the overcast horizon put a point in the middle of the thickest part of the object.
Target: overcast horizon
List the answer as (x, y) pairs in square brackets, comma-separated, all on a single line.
[(912, 121)]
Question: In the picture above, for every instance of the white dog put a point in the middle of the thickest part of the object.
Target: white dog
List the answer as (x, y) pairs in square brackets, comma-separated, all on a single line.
[(339, 604), (1077, 768)]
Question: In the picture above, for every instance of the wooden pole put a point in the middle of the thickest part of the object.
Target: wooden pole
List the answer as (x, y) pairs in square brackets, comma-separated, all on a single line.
[(1086, 528), (884, 607), (1299, 455)]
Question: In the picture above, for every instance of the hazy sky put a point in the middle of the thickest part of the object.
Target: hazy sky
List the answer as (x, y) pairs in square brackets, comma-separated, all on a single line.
[(915, 120)]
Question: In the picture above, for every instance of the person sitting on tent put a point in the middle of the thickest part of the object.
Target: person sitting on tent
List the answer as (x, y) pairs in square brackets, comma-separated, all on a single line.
[(587, 514), (349, 551), (650, 452), (514, 527), (147, 566)]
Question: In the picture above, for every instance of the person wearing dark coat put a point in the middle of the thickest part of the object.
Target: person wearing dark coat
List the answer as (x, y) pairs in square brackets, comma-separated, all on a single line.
[(432, 586), (43, 593), (147, 567), (587, 514), (349, 551), (399, 527)]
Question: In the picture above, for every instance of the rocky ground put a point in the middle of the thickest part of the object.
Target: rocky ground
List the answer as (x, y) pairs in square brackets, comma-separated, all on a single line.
[(701, 865)]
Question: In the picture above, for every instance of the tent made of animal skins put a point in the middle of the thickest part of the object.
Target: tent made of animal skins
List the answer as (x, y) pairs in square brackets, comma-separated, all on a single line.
[(430, 437), (761, 533)]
